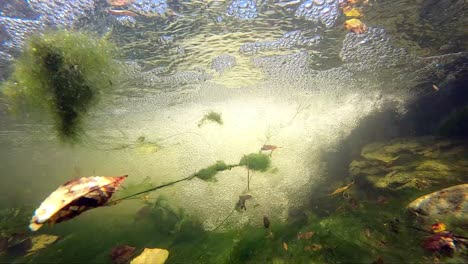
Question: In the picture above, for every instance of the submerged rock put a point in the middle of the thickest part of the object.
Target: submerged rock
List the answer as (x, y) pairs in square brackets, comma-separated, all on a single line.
[(448, 203), (412, 163)]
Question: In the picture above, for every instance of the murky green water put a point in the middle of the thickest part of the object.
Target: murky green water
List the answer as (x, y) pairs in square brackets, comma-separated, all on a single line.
[(323, 96)]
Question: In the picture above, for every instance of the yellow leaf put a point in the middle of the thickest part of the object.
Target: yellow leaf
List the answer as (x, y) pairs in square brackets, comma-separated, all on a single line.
[(41, 241), (341, 189), (151, 255), (352, 12), (355, 25)]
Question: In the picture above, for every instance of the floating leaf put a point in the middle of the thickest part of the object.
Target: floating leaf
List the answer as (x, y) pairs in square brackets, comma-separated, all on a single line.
[(75, 197), (341, 189), (151, 255)]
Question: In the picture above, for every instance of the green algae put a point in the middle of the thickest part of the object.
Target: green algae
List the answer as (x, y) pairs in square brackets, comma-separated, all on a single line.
[(256, 162), (211, 117), (64, 74), (209, 173)]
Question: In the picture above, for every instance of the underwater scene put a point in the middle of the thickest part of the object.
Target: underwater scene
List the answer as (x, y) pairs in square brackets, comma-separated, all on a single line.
[(234, 131)]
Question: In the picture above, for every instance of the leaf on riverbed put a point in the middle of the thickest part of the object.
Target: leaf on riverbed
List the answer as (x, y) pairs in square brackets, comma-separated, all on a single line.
[(341, 189)]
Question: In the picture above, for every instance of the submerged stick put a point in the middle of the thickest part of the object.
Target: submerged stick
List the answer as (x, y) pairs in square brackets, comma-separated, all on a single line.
[(248, 179), (149, 190), (220, 224)]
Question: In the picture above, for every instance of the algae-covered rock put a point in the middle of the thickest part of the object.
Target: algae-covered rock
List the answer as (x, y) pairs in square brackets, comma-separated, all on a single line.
[(412, 163), (446, 204), (63, 73)]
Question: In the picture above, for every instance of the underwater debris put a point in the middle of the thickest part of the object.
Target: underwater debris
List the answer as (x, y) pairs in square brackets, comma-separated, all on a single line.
[(212, 117), (438, 227), (313, 247), (63, 73), (382, 199), (341, 189), (40, 242), (349, 11), (305, 235), (266, 222), (355, 25), (73, 198), (443, 243), (240, 205), (151, 255), (120, 2), (285, 246), (3, 244), (121, 254), (379, 260), (271, 148)]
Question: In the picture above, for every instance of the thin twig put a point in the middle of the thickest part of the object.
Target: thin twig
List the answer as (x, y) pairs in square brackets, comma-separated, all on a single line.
[(149, 190)]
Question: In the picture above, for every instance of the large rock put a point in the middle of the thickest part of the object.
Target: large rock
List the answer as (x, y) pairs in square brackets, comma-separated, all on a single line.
[(448, 203), (412, 163)]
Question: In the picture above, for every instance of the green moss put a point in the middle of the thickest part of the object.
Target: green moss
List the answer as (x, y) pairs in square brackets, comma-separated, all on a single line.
[(256, 162), (207, 174), (212, 117), (63, 73)]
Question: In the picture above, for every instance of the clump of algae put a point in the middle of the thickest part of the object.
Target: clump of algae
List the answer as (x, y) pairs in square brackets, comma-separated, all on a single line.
[(208, 173), (63, 73), (212, 117), (256, 162)]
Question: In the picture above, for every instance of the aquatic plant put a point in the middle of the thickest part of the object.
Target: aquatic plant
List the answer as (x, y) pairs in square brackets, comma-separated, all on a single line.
[(256, 162), (212, 117), (207, 174), (63, 73)]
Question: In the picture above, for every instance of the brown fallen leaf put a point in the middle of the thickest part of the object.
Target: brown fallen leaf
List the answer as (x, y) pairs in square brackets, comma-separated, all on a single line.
[(3, 244), (341, 189), (305, 235), (75, 197), (122, 254), (378, 261), (313, 247), (382, 199)]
